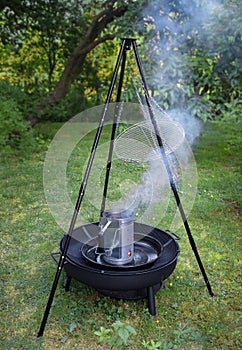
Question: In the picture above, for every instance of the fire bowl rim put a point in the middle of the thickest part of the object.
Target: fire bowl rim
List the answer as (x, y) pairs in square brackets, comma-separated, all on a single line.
[(139, 240)]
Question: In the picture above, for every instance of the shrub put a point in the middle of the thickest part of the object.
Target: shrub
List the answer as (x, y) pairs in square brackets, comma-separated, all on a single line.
[(15, 132)]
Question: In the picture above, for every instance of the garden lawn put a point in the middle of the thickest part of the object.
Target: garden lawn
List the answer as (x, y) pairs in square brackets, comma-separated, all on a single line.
[(187, 316)]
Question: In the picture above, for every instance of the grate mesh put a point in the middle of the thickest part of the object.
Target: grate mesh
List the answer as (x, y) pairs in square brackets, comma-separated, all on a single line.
[(139, 143)]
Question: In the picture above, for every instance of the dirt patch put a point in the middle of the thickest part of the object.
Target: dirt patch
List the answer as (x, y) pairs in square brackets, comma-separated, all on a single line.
[(235, 206)]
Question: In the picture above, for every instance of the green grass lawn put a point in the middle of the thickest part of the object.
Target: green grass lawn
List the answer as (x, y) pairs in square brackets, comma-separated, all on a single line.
[(187, 317)]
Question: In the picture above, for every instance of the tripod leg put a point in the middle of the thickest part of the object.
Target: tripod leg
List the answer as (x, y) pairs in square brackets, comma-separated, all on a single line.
[(151, 300), (169, 172), (82, 190), (51, 297), (67, 282)]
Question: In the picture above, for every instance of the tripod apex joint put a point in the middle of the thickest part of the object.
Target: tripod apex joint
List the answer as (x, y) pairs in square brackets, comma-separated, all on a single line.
[(128, 42)]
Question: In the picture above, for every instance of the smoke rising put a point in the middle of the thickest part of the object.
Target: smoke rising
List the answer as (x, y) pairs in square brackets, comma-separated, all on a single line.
[(150, 190), (191, 125), (176, 28), (151, 196)]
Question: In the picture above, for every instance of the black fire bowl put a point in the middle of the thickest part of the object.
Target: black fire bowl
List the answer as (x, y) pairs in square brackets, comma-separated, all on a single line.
[(118, 282)]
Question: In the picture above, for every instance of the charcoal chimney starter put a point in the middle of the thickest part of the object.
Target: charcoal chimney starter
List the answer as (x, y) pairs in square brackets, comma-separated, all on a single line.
[(117, 236)]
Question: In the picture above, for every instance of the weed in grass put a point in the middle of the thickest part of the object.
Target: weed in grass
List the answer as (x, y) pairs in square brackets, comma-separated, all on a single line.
[(116, 336), (151, 344)]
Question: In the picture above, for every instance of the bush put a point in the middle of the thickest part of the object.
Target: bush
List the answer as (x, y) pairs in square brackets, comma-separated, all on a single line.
[(73, 103), (15, 132)]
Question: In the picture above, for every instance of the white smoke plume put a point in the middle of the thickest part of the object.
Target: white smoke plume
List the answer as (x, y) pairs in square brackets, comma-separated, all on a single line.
[(172, 34)]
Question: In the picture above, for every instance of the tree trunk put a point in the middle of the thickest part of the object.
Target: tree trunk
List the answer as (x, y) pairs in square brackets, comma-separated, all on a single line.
[(73, 67), (76, 60)]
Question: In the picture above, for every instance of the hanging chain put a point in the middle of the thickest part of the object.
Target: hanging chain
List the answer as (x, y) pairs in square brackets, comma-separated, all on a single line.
[(173, 161), (137, 83)]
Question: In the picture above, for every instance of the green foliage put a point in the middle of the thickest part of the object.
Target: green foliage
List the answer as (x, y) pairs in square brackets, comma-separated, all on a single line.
[(216, 62), (117, 336), (151, 344), (192, 55), (15, 132), (38, 38), (14, 92), (69, 106), (197, 47)]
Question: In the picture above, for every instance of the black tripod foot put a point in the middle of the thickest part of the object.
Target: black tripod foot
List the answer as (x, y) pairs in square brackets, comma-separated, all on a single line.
[(151, 300), (67, 282)]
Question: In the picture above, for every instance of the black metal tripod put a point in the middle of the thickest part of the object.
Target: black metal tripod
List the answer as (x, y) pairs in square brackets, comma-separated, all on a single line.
[(126, 44)]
